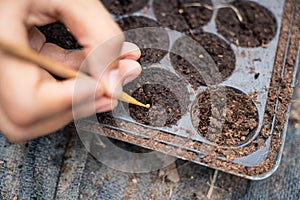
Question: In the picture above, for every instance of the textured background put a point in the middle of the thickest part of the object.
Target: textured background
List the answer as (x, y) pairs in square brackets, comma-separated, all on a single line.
[(58, 167)]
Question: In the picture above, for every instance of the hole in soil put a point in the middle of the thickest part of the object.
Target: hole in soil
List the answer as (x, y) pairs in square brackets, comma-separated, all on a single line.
[(220, 51), (146, 39), (257, 29), (175, 15), (58, 34), (229, 120), (121, 7), (165, 92), (165, 109)]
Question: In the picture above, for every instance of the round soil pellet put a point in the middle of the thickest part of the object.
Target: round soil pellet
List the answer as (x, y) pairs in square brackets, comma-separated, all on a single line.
[(164, 91), (258, 27), (121, 7), (180, 15), (220, 52), (58, 34), (154, 43), (228, 120)]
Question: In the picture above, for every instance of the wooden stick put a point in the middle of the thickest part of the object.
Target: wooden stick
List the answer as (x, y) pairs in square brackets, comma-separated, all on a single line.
[(55, 67), (212, 185)]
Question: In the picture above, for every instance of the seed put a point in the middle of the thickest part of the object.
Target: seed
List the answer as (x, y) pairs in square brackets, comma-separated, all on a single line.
[(201, 56), (180, 11)]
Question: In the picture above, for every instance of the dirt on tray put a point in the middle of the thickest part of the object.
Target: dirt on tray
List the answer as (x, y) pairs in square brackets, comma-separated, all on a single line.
[(227, 120), (164, 110), (164, 91), (249, 34), (154, 43), (180, 15), (220, 52), (258, 27), (121, 7)]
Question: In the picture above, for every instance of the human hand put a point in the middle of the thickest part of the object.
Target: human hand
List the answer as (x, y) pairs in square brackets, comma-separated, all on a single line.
[(32, 102)]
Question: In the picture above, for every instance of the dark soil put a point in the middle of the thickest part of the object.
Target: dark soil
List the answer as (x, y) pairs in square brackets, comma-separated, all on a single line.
[(166, 94), (258, 27), (279, 96), (218, 49), (228, 120), (121, 7), (154, 43), (165, 108), (175, 15), (58, 34)]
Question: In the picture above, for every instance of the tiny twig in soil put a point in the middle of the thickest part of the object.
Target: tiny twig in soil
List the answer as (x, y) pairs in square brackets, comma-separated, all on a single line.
[(209, 7), (295, 101), (235, 9), (211, 188), (100, 142), (171, 192)]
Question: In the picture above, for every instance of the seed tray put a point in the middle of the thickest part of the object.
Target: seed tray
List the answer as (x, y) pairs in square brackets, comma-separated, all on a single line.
[(259, 75)]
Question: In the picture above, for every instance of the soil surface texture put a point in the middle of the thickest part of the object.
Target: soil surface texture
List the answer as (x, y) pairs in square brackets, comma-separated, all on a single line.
[(166, 94), (154, 42), (121, 7), (181, 15), (221, 53), (58, 34), (225, 116), (258, 27)]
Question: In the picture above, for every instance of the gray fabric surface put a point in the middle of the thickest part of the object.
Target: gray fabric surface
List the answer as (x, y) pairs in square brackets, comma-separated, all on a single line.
[(30, 171), (42, 169)]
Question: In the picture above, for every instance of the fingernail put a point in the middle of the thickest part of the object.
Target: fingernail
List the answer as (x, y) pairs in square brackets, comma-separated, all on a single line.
[(133, 73)]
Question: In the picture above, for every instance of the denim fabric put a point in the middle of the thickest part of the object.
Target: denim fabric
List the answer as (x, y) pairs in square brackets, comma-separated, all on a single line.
[(58, 166)]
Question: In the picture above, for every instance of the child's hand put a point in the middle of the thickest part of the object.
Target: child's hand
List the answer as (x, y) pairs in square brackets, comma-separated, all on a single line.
[(32, 102)]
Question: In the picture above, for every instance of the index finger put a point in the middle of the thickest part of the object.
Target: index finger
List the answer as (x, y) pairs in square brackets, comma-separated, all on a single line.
[(88, 21)]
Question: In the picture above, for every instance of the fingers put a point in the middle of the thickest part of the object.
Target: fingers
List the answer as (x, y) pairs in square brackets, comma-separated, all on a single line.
[(42, 126), (102, 43), (32, 102), (93, 26), (17, 133), (114, 80), (130, 51), (36, 39), (12, 25), (72, 59), (54, 97), (129, 70)]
